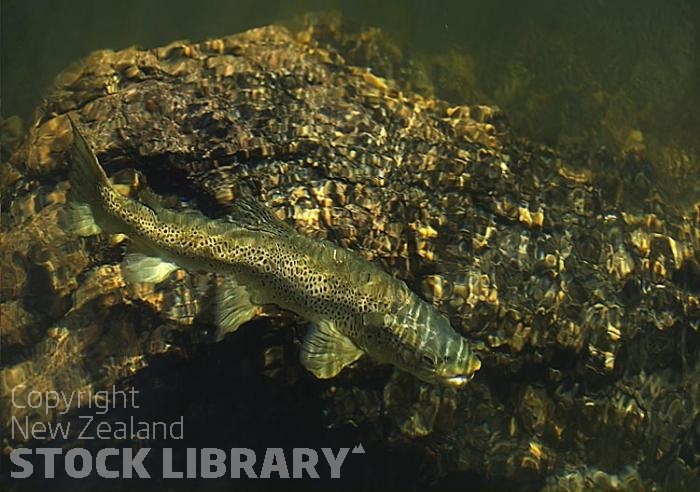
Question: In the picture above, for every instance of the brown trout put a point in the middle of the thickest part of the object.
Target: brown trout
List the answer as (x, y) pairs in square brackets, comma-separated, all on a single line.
[(354, 307)]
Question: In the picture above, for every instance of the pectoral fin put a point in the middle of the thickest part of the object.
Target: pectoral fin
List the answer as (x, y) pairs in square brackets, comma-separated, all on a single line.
[(325, 351), (141, 268), (234, 307)]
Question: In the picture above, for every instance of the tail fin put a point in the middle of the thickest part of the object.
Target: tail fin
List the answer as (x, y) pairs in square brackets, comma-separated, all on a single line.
[(86, 174), (86, 177)]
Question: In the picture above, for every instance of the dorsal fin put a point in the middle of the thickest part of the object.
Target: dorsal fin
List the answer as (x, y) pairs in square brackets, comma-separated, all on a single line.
[(186, 217), (249, 213), (246, 212)]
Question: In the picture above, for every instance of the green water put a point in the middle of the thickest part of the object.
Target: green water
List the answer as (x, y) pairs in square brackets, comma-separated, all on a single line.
[(622, 74), (648, 43)]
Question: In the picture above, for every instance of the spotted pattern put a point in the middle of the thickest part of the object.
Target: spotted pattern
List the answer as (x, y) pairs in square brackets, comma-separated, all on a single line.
[(315, 279)]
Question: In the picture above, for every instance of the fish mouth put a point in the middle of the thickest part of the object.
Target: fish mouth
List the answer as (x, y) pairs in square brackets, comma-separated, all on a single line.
[(458, 381)]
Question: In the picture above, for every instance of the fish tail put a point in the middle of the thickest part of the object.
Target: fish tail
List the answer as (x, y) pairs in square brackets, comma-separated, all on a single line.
[(86, 177)]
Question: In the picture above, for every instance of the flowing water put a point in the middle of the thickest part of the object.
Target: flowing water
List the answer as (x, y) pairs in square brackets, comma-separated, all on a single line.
[(613, 86)]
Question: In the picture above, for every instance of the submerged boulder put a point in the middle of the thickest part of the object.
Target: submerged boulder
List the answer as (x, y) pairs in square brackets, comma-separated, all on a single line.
[(586, 316)]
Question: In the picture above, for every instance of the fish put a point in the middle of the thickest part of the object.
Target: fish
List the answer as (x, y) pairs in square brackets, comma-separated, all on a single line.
[(353, 306)]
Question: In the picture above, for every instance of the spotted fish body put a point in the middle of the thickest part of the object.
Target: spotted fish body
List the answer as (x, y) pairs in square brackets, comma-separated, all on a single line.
[(353, 306)]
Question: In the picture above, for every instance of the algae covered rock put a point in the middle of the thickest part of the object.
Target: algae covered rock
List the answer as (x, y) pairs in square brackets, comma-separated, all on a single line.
[(586, 316)]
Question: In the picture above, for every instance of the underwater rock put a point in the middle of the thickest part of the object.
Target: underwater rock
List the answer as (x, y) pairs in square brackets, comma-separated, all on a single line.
[(586, 317)]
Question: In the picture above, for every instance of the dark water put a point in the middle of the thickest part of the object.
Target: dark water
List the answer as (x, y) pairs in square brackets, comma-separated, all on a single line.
[(623, 74), (579, 75)]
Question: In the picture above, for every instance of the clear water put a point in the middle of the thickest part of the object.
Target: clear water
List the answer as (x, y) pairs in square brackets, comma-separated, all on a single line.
[(623, 74), (578, 75)]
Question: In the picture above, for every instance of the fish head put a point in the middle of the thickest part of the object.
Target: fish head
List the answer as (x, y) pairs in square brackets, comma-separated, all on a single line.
[(419, 339)]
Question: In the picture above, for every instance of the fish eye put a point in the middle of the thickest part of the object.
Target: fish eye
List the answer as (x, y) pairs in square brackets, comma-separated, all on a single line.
[(428, 360)]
